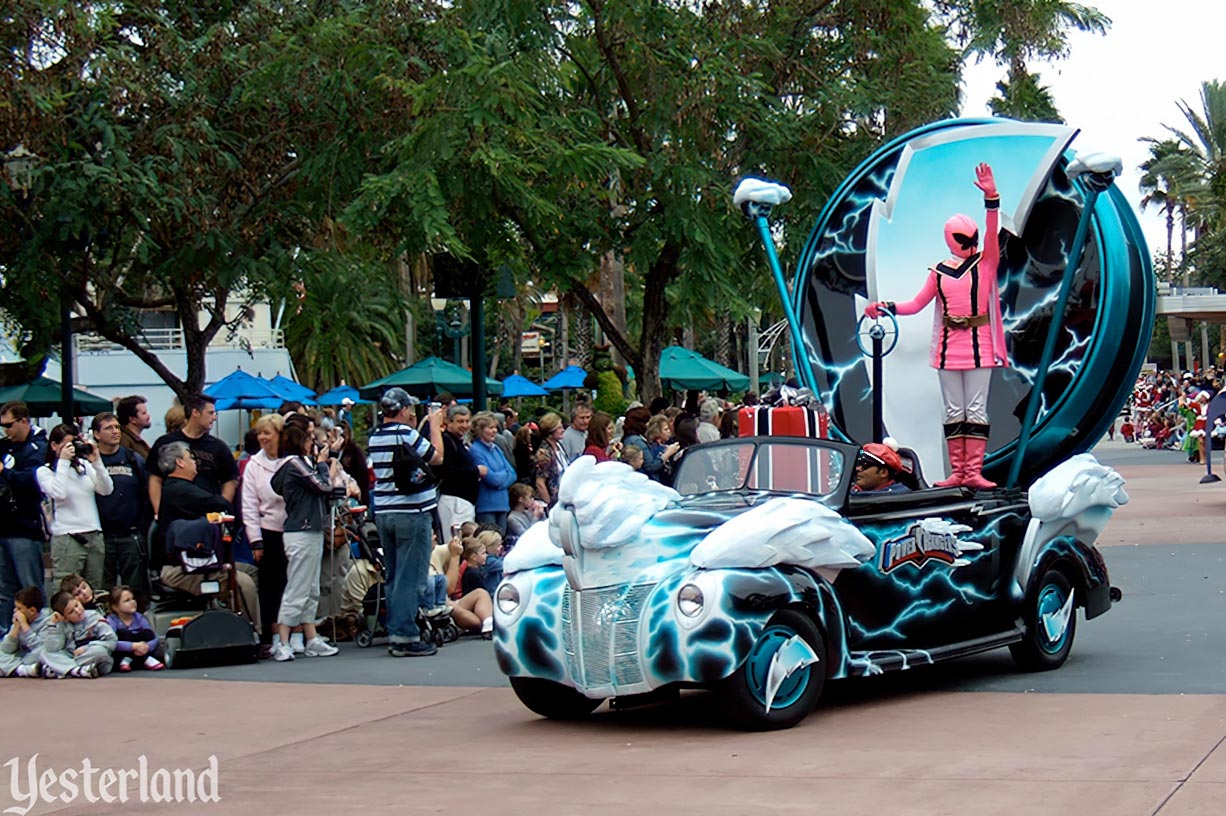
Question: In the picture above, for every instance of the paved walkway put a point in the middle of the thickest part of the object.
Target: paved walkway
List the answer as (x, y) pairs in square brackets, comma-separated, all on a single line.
[(907, 744)]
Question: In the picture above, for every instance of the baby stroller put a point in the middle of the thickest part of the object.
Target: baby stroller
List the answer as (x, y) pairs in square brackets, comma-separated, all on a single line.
[(438, 629)]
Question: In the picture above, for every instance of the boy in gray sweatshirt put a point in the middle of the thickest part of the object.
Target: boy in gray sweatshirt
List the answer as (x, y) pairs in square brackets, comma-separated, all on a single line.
[(79, 642), (22, 647)]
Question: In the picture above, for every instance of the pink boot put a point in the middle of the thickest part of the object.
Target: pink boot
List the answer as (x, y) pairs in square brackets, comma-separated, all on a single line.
[(957, 462), (976, 447)]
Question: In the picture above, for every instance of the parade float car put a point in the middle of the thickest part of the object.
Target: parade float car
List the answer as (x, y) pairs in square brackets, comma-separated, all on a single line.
[(763, 576)]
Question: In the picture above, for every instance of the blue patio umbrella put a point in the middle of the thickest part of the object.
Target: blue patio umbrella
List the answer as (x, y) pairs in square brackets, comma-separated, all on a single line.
[(569, 377), (517, 386), (339, 394), (291, 390), (241, 386), (249, 403)]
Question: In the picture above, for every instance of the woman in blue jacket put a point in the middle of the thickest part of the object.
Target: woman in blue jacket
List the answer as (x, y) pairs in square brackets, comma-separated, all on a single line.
[(497, 474)]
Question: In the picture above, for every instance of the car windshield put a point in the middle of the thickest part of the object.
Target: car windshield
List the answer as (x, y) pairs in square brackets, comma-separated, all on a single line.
[(764, 465)]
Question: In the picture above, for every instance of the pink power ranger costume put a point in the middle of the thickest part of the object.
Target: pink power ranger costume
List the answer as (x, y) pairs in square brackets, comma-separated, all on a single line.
[(968, 337)]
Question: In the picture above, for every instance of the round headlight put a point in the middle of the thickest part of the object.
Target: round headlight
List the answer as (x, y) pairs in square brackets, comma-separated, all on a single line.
[(689, 601), (508, 598)]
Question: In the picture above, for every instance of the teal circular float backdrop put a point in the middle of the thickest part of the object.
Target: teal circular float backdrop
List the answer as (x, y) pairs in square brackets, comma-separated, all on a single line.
[(876, 233)]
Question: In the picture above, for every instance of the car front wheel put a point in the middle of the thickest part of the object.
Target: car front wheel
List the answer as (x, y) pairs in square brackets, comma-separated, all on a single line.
[(552, 700), (1051, 624), (793, 646)]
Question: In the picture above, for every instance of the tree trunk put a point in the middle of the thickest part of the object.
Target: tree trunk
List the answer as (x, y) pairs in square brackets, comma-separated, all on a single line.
[(563, 332), (1183, 245), (612, 295), (583, 335), (1170, 239), (655, 321), (723, 339)]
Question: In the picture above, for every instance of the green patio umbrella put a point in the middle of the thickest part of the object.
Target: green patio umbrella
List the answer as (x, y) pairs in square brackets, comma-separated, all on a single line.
[(684, 370), (428, 377), (43, 398)]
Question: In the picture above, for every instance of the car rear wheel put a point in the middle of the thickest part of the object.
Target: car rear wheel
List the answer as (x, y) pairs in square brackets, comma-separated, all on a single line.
[(1051, 624), (553, 700), (746, 696)]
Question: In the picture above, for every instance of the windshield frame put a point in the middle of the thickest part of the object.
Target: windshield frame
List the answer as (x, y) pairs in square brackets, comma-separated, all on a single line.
[(836, 498)]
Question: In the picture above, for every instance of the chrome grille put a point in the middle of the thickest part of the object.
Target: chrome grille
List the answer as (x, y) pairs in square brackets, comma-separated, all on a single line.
[(600, 634)]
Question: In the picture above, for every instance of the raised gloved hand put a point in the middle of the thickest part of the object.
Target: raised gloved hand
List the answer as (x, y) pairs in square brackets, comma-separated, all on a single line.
[(985, 181), (879, 308)]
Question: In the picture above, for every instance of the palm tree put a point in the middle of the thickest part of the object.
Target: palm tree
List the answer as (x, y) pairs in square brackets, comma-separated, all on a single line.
[(350, 325), (1166, 177), (1200, 167), (1017, 32), (1207, 143)]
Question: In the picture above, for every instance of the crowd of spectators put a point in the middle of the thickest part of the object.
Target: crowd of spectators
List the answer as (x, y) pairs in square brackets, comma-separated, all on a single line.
[(448, 497), (1169, 411)]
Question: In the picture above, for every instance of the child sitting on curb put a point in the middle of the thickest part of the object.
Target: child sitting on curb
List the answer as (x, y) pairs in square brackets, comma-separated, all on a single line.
[(137, 643), (80, 589), (78, 643), (22, 647)]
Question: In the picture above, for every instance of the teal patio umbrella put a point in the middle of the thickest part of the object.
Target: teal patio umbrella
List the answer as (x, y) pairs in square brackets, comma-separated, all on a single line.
[(684, 370), (428, 377), (42, 397)]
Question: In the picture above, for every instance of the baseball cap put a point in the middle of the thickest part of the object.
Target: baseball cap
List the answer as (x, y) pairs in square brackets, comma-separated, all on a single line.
[(395, 400), (876, 454), (346, 402)]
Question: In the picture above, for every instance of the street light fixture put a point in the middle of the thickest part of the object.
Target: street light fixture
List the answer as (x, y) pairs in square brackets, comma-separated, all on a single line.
[(449, 322)]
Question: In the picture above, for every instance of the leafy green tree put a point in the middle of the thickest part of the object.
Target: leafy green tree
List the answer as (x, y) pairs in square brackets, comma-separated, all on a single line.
[(593, 127), (1023, 98), (183, 160), (1015, 33)]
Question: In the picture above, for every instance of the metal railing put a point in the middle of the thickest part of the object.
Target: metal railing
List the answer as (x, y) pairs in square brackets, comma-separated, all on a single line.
[(172, 340)]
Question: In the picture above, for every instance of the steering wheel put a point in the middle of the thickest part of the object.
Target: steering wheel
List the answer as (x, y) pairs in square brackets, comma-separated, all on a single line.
[(875, 330)]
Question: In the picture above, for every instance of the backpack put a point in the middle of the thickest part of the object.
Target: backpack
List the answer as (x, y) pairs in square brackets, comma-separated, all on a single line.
[(195, 544), (410, 472)]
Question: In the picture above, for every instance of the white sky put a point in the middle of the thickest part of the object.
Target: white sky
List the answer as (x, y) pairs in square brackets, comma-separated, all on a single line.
[(1123, 86)]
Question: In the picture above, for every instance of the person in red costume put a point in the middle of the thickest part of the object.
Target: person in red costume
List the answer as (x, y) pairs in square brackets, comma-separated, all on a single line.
[(968, 338)]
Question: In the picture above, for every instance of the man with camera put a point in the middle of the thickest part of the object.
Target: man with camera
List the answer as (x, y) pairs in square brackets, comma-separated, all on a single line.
[(405, 497), (122, 513), (22, 451)]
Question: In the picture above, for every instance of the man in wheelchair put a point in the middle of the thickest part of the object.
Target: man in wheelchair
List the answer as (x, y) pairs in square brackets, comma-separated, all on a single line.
[(186, 547)]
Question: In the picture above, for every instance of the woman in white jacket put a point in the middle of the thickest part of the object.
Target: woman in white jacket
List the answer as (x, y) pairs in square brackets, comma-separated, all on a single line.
[(73, 476), (264, 520)]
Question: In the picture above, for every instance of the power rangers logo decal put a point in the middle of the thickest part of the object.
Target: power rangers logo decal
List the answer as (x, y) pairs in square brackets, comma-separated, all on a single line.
[(929, 539)]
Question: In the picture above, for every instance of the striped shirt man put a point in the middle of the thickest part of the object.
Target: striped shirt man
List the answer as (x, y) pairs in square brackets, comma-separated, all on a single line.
[(384, 441)]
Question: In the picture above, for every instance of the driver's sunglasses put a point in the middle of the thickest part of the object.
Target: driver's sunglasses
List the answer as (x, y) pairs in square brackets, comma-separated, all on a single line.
[(865, 459)]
